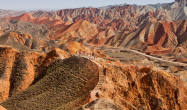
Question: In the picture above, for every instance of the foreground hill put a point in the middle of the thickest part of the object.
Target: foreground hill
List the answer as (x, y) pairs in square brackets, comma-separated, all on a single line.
[(42, 81)]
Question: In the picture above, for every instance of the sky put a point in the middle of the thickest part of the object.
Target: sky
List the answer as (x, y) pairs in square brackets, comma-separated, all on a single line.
[(63, 4)]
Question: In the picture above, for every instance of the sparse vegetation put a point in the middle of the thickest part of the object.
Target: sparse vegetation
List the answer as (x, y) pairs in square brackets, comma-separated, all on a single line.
[(65, 85)]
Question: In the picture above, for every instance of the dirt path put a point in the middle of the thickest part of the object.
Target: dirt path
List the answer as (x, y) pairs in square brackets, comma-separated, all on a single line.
[(145, 55)]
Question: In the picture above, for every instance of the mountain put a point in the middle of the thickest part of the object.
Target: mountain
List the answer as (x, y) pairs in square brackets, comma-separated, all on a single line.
[(158, 37), (125, 21), (135, 15), (9, 13)]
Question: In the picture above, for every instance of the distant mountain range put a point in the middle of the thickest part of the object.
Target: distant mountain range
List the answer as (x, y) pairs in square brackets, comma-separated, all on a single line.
[(8, 13), (154, 29)]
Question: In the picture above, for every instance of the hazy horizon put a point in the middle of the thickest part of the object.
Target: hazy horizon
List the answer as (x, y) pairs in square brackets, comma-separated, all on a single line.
[(62, 4)]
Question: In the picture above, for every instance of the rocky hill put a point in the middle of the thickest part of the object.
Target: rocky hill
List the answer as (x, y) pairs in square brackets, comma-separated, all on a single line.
[(157, 37)]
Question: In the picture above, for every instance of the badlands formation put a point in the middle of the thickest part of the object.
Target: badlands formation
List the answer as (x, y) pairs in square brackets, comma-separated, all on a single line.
[(123, 57)]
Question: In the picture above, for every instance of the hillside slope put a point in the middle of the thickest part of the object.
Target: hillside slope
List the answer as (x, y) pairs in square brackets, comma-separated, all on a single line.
[(63, 86)]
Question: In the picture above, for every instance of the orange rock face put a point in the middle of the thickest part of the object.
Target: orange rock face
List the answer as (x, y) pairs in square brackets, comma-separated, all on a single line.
[(7, 60), (143, 88)]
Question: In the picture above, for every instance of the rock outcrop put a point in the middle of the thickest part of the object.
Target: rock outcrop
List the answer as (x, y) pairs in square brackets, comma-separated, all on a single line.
[(143, 88)]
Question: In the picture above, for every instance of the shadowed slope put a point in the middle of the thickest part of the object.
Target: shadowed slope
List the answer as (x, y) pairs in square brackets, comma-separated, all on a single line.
[(66, 83)]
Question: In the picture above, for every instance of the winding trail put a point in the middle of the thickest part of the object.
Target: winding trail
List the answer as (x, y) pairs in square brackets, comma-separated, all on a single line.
[(145, 55), (156, 58)]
